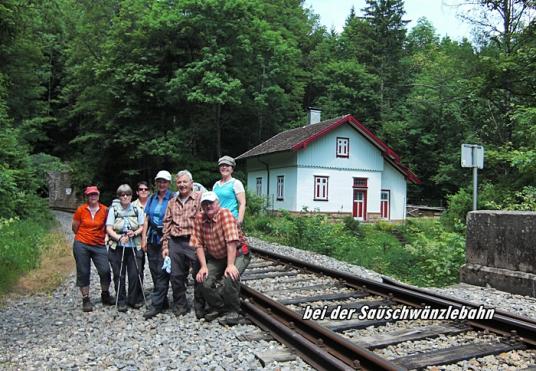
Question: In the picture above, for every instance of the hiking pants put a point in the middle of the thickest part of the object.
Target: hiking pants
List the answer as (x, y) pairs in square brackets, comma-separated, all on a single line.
[(182, 258), (83, 255), (131, 257), (227, 297), (160, 277)]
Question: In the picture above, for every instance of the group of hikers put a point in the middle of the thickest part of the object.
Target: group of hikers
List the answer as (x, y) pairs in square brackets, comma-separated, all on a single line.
[(195, 230)]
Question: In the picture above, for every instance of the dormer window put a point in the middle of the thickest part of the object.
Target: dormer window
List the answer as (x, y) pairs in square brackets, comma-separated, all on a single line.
[(343, 147)]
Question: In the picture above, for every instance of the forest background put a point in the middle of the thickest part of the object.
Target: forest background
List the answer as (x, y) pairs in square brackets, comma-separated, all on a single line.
[(116, 90)]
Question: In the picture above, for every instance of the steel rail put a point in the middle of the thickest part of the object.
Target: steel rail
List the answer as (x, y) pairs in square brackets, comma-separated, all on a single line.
[(502, 324), (393, 282), (322, 340), (308, 351)]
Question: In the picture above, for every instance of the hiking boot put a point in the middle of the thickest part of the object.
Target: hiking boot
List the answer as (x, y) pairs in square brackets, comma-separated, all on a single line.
[(122, 307), (231, 319), (136, 305), (213, 314), (200, 312), (106, 298), (166, 304), (151, 313), (86, 304), (181, 310)]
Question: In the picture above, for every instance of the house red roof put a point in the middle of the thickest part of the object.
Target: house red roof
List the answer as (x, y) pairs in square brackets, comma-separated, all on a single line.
[(299, 138)]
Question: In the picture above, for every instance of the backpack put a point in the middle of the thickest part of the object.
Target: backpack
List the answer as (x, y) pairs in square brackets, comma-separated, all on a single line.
[(133, 212)]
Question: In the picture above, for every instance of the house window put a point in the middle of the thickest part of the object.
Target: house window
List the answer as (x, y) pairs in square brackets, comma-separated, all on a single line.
[(360, 183), (321, 188), (343, 147), (280, 187), (259, 186)]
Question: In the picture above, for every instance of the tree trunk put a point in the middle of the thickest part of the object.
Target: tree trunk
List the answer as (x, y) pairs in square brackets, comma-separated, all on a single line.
[(218, 130)]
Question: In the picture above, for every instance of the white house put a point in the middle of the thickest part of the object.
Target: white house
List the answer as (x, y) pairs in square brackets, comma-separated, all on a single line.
[(333, 166)]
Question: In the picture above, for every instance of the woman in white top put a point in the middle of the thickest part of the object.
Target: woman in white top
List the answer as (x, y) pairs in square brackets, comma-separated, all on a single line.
[(230, 191)]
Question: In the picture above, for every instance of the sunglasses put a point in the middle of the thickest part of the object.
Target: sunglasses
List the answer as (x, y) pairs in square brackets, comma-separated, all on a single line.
[(125, 195), (143, 189)]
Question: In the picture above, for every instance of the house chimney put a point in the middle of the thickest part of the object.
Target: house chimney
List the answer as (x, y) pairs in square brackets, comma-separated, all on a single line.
[(313, 115)]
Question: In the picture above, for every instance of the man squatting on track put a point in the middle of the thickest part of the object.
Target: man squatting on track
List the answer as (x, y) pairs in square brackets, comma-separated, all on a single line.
[(222, 255)]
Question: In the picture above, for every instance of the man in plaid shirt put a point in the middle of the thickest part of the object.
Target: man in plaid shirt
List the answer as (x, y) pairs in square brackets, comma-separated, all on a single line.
[(222, 255), (178, 225)]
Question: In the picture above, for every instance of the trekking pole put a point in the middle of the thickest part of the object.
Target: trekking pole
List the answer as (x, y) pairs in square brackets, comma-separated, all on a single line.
[(138, 272), (120, 272)]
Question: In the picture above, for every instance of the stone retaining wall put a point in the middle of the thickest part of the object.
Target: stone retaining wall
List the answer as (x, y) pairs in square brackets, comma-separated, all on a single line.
[(501, 251)]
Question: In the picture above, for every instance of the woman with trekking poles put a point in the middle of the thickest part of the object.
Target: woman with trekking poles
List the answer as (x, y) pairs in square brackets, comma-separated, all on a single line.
[(124, 226), (89, 228)]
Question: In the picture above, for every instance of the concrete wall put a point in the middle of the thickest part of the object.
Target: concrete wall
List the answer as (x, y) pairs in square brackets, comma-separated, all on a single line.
[(501, 251)]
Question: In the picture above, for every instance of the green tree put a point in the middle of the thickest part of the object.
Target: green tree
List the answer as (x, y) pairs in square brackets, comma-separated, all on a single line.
[(384, 48), (347, 87)]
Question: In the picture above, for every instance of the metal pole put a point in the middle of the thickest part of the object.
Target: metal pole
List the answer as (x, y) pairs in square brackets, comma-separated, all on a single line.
[(475, 188), (475, 176)]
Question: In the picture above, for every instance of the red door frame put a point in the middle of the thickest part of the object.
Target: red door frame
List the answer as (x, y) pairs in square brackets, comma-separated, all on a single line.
[(355, 191), (359, 184), (382, 205)]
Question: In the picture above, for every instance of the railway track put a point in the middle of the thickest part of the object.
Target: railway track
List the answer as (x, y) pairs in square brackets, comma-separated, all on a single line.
[(341, 332)]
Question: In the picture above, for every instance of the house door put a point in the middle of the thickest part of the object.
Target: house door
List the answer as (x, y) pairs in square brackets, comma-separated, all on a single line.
[(360, 204), (384, 204)]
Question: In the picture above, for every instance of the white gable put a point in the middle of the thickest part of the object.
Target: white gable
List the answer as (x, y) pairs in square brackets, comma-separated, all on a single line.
[(363, 155)]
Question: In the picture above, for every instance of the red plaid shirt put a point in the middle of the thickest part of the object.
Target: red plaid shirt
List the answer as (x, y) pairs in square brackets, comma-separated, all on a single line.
[(214, 234), (179, 218)]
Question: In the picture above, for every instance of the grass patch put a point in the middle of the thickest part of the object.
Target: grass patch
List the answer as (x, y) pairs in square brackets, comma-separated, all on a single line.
[(56, 264), (22, 244), (432, 255)]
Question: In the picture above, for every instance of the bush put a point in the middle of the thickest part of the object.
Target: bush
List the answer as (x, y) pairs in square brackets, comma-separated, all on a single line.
[(432, 256), (255, 205), (352, 225), (459, 204)]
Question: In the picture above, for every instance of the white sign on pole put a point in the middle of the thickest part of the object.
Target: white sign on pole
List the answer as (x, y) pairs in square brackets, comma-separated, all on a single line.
[(472, 156)]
